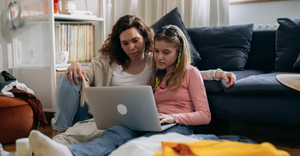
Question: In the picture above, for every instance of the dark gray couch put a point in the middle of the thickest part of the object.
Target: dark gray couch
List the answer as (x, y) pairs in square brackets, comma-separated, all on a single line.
[(256, 57), (256, 95)]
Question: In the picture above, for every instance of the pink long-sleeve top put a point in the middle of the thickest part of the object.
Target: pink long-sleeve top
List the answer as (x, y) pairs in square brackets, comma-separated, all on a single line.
[(188, 105)]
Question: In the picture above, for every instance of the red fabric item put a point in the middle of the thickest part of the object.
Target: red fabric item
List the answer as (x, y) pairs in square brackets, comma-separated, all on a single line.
[(179, 148), (183, 149), (34, 102)]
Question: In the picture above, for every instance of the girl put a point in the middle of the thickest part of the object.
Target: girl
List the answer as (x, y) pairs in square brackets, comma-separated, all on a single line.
[(178, 91)]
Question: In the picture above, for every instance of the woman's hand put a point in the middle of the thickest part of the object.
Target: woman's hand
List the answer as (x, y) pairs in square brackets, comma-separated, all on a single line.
[(229, 77), (164, 118), (74, 69)]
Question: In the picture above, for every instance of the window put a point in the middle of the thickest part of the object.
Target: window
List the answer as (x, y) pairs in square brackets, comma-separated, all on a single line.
[(250, 1)]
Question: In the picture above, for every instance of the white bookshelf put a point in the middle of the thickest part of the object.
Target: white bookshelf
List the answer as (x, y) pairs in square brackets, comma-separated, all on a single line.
[(34, 47), (76, 18), (61, 17), (63, 67)]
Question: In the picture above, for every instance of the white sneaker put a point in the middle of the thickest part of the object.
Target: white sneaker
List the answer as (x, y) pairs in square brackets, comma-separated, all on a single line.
[(53, 120)]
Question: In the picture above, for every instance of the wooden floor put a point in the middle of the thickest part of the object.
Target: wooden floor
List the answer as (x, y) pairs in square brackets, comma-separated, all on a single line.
[(285, 138), (47, 131)]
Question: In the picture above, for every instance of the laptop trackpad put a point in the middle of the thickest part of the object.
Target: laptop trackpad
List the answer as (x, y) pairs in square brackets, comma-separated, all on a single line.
[(167, 126)]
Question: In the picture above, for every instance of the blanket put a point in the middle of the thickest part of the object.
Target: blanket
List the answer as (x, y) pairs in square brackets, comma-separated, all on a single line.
[(225, 148), (34, 102), (174, 144), (81, 132)]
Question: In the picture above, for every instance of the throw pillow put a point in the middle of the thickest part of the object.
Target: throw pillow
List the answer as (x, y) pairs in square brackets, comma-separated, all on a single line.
[(297, 64), (287, 44), (225, 47), (174, 18)]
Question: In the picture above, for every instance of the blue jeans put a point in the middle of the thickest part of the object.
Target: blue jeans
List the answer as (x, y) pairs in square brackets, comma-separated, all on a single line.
[(68, 109), (116, 136)]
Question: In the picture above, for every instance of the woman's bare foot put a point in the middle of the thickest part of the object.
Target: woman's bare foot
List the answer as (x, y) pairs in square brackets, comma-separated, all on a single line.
[(41, 145)]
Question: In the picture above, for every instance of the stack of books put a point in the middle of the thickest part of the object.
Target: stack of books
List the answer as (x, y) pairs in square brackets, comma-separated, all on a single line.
[(80, 13), (78, 39)]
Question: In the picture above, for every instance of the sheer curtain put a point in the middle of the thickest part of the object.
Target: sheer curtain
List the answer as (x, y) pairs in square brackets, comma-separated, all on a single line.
[(194, 13)]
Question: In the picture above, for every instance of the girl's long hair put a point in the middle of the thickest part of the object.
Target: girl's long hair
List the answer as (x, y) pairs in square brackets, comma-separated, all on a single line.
[(175, 81)]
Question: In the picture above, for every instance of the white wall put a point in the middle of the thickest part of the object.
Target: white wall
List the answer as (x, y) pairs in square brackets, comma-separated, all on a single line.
[(5, 37), (1, 57), (263, 12)]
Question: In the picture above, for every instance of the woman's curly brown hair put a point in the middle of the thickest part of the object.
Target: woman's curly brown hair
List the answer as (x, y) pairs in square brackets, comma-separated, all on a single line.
[(112, 45)]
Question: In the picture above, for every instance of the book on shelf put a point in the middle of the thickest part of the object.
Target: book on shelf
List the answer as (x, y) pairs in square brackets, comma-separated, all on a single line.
[(60, 39), (77, 39), (91, 42)]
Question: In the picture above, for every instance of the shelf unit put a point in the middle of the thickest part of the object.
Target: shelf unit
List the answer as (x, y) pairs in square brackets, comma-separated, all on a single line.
[(34, 48), (63, 67), (76, 18), (61, 17)]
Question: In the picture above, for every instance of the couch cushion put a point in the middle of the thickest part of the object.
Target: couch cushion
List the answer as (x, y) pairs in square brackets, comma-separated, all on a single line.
[(262, 83), (256, 107), (174, 18), (297, 63), (287, 44), (262, 53), (225, 47), (218, 86)]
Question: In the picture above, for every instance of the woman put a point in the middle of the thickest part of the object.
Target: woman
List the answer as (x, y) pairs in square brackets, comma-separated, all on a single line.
[(179, 94), (124, 60)]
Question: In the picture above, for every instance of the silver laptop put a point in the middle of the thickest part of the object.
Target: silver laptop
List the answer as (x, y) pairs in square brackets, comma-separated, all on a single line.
[(132, 107)]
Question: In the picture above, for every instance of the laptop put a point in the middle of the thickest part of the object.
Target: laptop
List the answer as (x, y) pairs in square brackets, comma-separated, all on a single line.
[(132, 107)]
